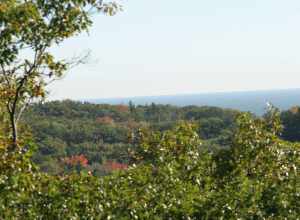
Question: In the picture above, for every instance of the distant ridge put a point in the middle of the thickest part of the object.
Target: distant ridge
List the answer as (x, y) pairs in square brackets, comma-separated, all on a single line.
[(253, 101)]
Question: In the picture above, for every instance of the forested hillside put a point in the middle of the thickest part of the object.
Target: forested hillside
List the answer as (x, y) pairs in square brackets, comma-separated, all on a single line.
[(72, 160), (98, 137), (75, 136)]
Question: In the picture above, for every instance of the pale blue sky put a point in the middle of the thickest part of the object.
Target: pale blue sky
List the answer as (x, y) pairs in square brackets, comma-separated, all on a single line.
[(161, 47)]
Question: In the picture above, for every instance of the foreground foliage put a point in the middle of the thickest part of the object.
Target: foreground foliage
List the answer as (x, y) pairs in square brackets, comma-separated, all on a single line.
[(171, 176)]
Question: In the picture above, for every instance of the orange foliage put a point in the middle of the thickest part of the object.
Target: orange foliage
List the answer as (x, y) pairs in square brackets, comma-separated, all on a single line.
[(75, 160), (294, 110), (122, 108)]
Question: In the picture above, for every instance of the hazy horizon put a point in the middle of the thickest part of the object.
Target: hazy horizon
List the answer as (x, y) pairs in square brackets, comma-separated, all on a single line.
[(253, 101), (188, 94), (166, 47)]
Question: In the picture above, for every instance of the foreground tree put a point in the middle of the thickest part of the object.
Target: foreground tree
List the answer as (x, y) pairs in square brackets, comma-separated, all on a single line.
[(28, 29)]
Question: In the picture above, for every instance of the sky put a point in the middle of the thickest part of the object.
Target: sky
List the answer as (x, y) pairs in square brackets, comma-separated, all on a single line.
[(168, 47)]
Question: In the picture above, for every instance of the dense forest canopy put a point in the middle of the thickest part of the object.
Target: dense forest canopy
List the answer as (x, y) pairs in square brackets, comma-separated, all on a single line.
[(101, 133)]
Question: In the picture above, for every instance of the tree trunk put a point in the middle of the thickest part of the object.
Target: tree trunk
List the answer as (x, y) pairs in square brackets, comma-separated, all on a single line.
[(14, 130)]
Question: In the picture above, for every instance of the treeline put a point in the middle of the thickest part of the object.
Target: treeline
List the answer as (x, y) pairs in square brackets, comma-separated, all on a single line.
[(74, 136)]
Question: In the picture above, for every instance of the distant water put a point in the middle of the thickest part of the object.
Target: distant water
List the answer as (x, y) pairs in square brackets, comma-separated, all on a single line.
[(254, 101)]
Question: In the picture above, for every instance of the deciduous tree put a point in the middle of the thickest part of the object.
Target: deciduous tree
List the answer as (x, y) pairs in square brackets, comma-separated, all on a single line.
[(28, 29)]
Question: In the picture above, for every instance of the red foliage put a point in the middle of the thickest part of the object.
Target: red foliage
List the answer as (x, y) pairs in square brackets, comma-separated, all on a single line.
[(113, 166), (75, 160)]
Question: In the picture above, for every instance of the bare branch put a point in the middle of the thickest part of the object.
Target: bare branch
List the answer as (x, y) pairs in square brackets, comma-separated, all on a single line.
[(78, 60)]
